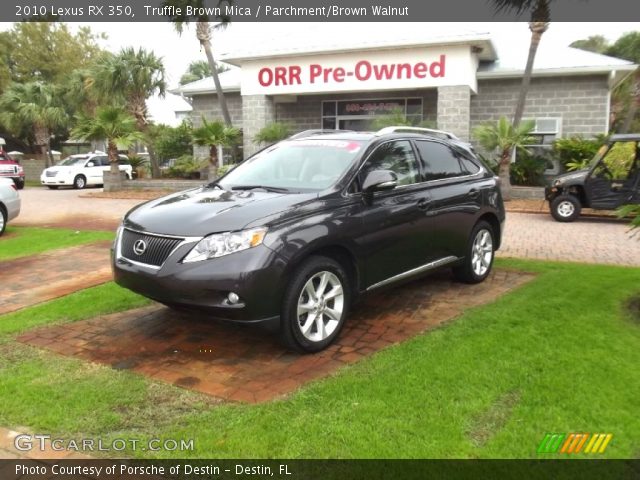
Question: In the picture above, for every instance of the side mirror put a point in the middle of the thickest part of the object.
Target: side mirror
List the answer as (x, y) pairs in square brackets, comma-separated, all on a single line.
[(91, 164), (379, 180)]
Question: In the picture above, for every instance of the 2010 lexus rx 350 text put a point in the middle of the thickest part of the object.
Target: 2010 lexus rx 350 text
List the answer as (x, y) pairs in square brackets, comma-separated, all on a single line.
[(293, 235)]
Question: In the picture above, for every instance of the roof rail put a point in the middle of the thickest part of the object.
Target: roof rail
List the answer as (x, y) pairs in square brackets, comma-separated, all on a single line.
[(430, 131), (315, 131)]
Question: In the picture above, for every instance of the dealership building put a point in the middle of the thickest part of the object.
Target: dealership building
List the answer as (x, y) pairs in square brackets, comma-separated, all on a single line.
[(452, 82)]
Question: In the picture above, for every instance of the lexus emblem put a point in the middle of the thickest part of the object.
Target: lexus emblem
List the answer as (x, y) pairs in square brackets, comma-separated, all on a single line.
[(139, 247)]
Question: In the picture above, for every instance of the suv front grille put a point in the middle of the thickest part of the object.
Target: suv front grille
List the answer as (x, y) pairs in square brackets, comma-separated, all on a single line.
[(156, 251)]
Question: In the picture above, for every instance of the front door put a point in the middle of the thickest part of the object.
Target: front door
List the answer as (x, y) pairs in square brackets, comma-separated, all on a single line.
[(392, 236), (614, 180)]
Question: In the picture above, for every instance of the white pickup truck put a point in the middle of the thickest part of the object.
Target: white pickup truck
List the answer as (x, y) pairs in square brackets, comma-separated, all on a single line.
[(81, 170)]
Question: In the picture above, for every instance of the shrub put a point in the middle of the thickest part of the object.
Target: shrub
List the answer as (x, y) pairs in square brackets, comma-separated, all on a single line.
[(224, 169), (187, 167), (528, 170), (139, 165), (272, 133), (575, 153)]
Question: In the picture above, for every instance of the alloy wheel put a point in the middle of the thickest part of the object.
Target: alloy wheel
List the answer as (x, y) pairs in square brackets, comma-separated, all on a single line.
[(482, 252), (320, 306)]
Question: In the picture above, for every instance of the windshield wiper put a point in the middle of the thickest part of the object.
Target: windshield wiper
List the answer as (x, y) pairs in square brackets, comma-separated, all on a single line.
[(263, 187), (214, 185)]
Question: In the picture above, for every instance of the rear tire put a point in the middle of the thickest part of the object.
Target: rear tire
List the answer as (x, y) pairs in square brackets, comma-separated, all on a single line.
[(479, 256), (565, 208), (19, 184), (79, 182), (3, 220), (315, 305)]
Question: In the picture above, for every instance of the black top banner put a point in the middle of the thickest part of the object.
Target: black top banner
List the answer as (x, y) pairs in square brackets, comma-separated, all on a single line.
[(306, 10)]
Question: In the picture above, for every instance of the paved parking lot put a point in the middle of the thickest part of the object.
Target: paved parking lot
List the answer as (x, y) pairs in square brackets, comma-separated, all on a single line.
[(591, 240), (588, 240), (69, 208)]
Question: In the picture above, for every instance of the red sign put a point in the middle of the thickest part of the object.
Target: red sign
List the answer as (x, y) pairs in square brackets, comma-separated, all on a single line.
[(362, 71)]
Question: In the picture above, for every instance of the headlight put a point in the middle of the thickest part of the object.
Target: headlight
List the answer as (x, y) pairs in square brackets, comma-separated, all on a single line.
[(557, 183), (221, 244)]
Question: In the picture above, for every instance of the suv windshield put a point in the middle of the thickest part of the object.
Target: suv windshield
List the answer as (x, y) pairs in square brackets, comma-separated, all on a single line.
[(69, 161), (300, 165)]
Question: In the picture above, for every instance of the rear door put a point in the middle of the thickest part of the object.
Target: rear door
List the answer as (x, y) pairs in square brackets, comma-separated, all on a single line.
[(456, 197), (614, 180)]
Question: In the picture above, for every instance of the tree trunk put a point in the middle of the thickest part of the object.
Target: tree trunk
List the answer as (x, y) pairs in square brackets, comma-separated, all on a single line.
[(112, 152), (139, 107), (42, 138), (633, 108), (204, 36), (537, 29), (213, 156), (505, 174)]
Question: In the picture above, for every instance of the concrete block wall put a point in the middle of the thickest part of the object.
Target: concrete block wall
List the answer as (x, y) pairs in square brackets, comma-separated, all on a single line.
[(581, 102), (209, 107), (257, 111), (306, 112), (33, 168), (454, 110)]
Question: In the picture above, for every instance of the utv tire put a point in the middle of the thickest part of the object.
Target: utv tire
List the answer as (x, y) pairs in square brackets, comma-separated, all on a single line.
[(565, 208)]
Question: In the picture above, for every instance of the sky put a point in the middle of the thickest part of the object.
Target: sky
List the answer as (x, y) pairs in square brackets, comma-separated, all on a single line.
[(178, 51)]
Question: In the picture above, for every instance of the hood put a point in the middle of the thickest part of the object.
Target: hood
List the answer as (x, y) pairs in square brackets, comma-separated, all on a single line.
[(199, 212), (571, 177)]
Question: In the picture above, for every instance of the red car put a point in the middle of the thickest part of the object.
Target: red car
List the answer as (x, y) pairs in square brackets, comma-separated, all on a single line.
[(9, 168)]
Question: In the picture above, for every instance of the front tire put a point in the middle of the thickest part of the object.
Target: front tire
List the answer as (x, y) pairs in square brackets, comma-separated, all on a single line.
[(79, 182), (480, 253), (315, 305), (565, 208)]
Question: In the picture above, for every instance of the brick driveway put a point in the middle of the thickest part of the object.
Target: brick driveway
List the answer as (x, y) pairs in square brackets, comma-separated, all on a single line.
[(30, 280), (589, 240), (245, 364)]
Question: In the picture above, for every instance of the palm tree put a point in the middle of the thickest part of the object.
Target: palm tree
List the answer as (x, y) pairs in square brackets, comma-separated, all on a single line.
[(34, 105), (204, 33), (272, 133), (505, 138), (130, 77), (113, 124), (214, 134), (540, 18), (200, 69)]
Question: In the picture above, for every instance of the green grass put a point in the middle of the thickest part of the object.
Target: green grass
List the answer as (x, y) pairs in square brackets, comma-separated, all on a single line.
[(24, 241), (560, 354)]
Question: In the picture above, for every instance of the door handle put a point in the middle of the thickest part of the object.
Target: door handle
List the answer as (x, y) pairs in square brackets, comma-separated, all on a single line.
[(473, 193), (423, 204)]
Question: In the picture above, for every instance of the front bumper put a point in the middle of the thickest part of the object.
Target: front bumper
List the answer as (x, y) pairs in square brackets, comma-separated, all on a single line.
[(255, 275), (62, 180), (15, 178)]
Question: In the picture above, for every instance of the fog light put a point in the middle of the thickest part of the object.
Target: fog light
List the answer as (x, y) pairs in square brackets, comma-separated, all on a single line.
[(233, 298)]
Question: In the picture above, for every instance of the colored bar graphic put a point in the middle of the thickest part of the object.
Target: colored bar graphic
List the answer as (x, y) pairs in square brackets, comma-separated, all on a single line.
[(573, 443)]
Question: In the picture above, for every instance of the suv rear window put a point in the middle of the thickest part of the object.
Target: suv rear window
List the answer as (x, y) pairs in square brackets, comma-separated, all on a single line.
[(438, 160)]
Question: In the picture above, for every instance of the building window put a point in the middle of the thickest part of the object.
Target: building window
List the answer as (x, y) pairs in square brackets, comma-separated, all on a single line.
[(546, 131), (360, 114)]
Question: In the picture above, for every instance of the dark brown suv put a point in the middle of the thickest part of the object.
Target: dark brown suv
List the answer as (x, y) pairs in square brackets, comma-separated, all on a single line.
[(294, 234)]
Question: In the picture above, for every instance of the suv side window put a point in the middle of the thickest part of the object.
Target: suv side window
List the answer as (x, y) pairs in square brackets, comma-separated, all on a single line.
[(438, 160), (396, 156)]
